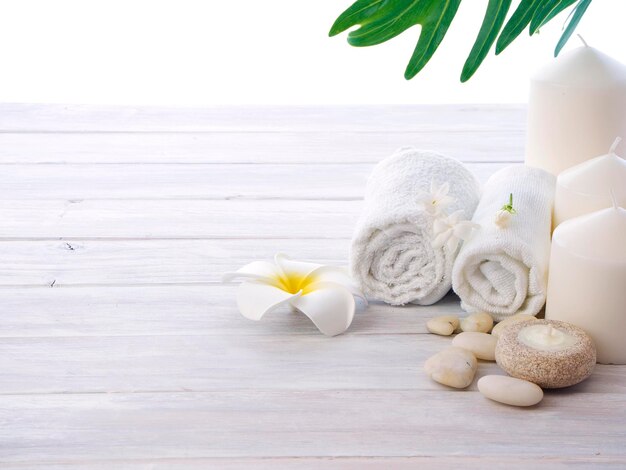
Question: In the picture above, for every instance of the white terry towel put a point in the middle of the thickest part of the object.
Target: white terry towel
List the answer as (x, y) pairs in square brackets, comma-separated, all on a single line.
[(503, 271), (392, 256)]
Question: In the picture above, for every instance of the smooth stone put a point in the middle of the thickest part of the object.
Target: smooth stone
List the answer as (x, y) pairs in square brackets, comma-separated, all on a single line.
[(548, 369), (454, 367), (482, 345), (512, 320), (481, 322), (509, 390), (443, 325)]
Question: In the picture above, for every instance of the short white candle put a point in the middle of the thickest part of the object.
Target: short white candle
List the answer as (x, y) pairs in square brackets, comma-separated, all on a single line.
[(546, 338), (587, 279), (577, 105), (583, 188)]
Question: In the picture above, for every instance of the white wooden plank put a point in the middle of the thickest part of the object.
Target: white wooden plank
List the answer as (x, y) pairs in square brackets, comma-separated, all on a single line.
[(180, 310), (138, 262), (52, 365), (333, 423), (150, 219), (388, 118), (192, 181), (162, 363), (490, 145), (504, 462), (210, 311)]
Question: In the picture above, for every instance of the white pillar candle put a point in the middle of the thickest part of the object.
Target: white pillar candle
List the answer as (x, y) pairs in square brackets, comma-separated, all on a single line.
[(583, 188), (587, 279), (577, 106), (546, 338)]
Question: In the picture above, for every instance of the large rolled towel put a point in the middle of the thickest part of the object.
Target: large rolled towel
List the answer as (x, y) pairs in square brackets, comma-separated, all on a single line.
[(392, 255), (502, 270)]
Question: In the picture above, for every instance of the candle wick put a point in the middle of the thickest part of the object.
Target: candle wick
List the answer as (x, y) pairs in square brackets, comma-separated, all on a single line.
[(613, 198), (582, 40), (614, 146)]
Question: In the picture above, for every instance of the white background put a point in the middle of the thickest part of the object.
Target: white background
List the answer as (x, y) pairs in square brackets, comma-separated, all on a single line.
[(192, 52)]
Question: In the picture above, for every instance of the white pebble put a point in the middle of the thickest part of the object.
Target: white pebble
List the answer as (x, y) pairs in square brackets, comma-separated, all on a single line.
[(482, 345), (481, 322), (509, 390), (454, 367), (444, 325), (512, 320)]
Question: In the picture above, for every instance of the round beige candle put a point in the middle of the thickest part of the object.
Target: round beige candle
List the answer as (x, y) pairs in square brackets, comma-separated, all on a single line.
[(577, 105), (549, 353), (583, 188), (546, 338), (587, 279)]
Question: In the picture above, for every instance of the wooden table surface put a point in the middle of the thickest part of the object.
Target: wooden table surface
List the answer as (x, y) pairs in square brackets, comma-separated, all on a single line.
[(121, 348)]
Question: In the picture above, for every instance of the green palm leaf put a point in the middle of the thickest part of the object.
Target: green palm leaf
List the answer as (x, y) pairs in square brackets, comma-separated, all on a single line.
[(381, 20), (579, 11), (517, 23), (433, 31), (493, 21), (548, 10)]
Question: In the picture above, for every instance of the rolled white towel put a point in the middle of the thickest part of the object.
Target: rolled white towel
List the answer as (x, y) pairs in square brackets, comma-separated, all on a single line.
[(392, 255), (502, 269)]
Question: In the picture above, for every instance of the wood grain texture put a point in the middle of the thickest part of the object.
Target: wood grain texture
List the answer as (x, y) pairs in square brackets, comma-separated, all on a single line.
[(179, 310), (338, 423), (521, 462), (163, 363), (57, 263), (191, 181), (273, 119), (488, 145), (179, 219), (120, 347)]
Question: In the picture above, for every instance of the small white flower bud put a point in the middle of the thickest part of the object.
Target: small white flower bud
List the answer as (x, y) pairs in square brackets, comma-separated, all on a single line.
[(502, 218)]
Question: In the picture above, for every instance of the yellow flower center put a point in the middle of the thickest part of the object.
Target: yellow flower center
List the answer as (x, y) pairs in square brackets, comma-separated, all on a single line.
[(294, 283)]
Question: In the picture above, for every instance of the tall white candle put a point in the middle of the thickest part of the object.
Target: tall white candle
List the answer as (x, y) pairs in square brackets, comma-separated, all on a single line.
[(587, 280), (584, 188), (577, 106)]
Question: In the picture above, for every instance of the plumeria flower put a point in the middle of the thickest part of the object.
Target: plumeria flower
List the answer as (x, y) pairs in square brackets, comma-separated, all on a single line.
[(437, 200), (503, 217), (325, 294), (450, 230)]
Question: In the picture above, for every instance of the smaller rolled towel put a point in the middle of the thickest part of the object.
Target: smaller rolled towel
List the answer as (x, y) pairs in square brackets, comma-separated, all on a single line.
[(392, 255), (502, 270)]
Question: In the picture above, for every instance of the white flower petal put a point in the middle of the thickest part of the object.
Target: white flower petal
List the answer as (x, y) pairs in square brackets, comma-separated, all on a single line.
[(440, 226), (464, 230), (258, 270), (291, 268), (329, 306), (444, 202), (337, 275), (255, 299), (452, 244), (441, 239), (455, 217)]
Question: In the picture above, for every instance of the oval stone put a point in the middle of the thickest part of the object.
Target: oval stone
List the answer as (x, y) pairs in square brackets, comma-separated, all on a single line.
[(482, 345), (481, 322), (454, 367), (509, 390), (444, 325)]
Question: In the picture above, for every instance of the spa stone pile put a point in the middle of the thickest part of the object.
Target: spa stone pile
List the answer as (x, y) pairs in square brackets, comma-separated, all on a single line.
[(478, 338)]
